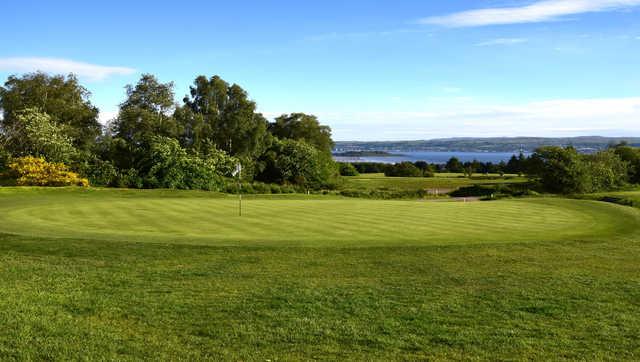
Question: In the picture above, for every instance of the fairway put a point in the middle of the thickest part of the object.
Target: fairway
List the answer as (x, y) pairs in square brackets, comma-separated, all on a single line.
[(198, 218)]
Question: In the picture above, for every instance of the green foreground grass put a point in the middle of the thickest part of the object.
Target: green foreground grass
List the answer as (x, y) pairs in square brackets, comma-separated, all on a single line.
[(126, 275)]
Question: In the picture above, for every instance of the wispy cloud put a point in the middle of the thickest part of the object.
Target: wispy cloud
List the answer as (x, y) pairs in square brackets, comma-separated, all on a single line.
[(502, 41), (539, 11), (64, 66), (469, 118)]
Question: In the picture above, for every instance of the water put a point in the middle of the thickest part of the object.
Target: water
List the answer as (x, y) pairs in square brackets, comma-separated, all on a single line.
[(431, 157)]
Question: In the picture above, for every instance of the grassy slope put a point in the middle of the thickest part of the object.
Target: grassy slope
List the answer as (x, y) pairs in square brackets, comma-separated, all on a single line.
[(70, 298), (446, 181)]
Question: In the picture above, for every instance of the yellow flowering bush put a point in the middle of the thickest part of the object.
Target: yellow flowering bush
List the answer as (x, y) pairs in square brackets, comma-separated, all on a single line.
[(36, 171)]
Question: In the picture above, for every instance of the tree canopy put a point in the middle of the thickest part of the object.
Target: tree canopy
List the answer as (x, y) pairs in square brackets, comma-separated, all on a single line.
[(303, 127), (61, 97)]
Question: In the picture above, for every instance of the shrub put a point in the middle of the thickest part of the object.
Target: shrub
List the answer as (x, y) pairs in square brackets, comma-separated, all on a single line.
[(35, 171), (170, 166), (369, 167), (347, 169), (35, 134), (5, 159), (99, 172), (565, 171), (297, 162), (129, 178), (403, 169)]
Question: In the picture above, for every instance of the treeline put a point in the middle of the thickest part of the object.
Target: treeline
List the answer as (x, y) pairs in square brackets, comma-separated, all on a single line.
[(516, 165), (552, 169), (156, 142)]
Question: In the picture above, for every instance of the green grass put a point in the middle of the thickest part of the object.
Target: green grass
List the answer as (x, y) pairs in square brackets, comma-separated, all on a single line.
[(443, 181), (285, 221), (631, 198), (120, 275)]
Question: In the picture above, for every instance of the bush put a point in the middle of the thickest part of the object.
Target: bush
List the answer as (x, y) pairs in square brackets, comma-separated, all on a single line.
[(565, 171), (369, 167), (403, 169), (385, 194), (35, 171), (171, 167), (99, 172), (129, 178), (5, 159), (347, 169), (297, 162)]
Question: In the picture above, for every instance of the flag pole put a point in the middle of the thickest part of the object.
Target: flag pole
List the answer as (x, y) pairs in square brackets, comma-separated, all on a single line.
[(239, 172)]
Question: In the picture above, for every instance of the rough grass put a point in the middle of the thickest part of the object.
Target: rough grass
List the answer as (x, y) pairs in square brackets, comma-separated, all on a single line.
[(79, 297), (443, 181)]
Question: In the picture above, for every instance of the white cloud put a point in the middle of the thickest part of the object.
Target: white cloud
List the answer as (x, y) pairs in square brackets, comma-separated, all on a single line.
[(539, 11), (468, 118), (502, 41), (64, 66)]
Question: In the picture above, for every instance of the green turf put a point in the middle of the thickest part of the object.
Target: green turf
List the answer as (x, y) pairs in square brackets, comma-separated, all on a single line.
[(157, 217), (95, 289), (444, 181)]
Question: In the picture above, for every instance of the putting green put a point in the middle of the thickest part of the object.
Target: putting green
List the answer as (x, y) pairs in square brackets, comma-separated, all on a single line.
[(199, 218)]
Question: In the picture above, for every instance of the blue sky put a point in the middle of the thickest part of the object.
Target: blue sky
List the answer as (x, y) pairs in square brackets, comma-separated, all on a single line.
[(372, 70)]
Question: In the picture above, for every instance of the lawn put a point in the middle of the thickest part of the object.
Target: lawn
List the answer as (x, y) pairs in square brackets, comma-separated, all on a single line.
[(443, 181), (178, 275)]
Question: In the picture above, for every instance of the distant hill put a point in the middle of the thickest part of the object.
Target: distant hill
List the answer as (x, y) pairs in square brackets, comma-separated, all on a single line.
[(495, 144)]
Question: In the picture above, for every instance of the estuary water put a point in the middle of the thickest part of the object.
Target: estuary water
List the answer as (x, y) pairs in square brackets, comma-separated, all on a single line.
[(431, 157)]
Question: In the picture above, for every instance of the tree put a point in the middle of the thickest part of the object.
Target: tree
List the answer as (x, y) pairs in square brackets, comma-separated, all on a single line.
[(454, 165), (426, 168), (516, 164), (34, 133), (347, 169), (146, 113), (223, 115), (304, 127), (403, 169), (61, 97), (564, 170), (297, 162), (631, 156)]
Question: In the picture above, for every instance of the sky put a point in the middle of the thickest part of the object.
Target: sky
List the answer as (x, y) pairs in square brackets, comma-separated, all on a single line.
[(372, 70)]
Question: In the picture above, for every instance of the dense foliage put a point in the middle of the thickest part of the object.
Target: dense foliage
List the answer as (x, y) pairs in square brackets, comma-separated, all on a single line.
[(347, 169), (61, 97), (34, 133), (564, 170), (402, 169), (155, 142), (35, 171)]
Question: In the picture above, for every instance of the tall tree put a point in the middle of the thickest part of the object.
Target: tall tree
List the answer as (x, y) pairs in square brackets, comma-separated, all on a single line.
[(222, 115), (304, 127), (147, 112), (61, 97)]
